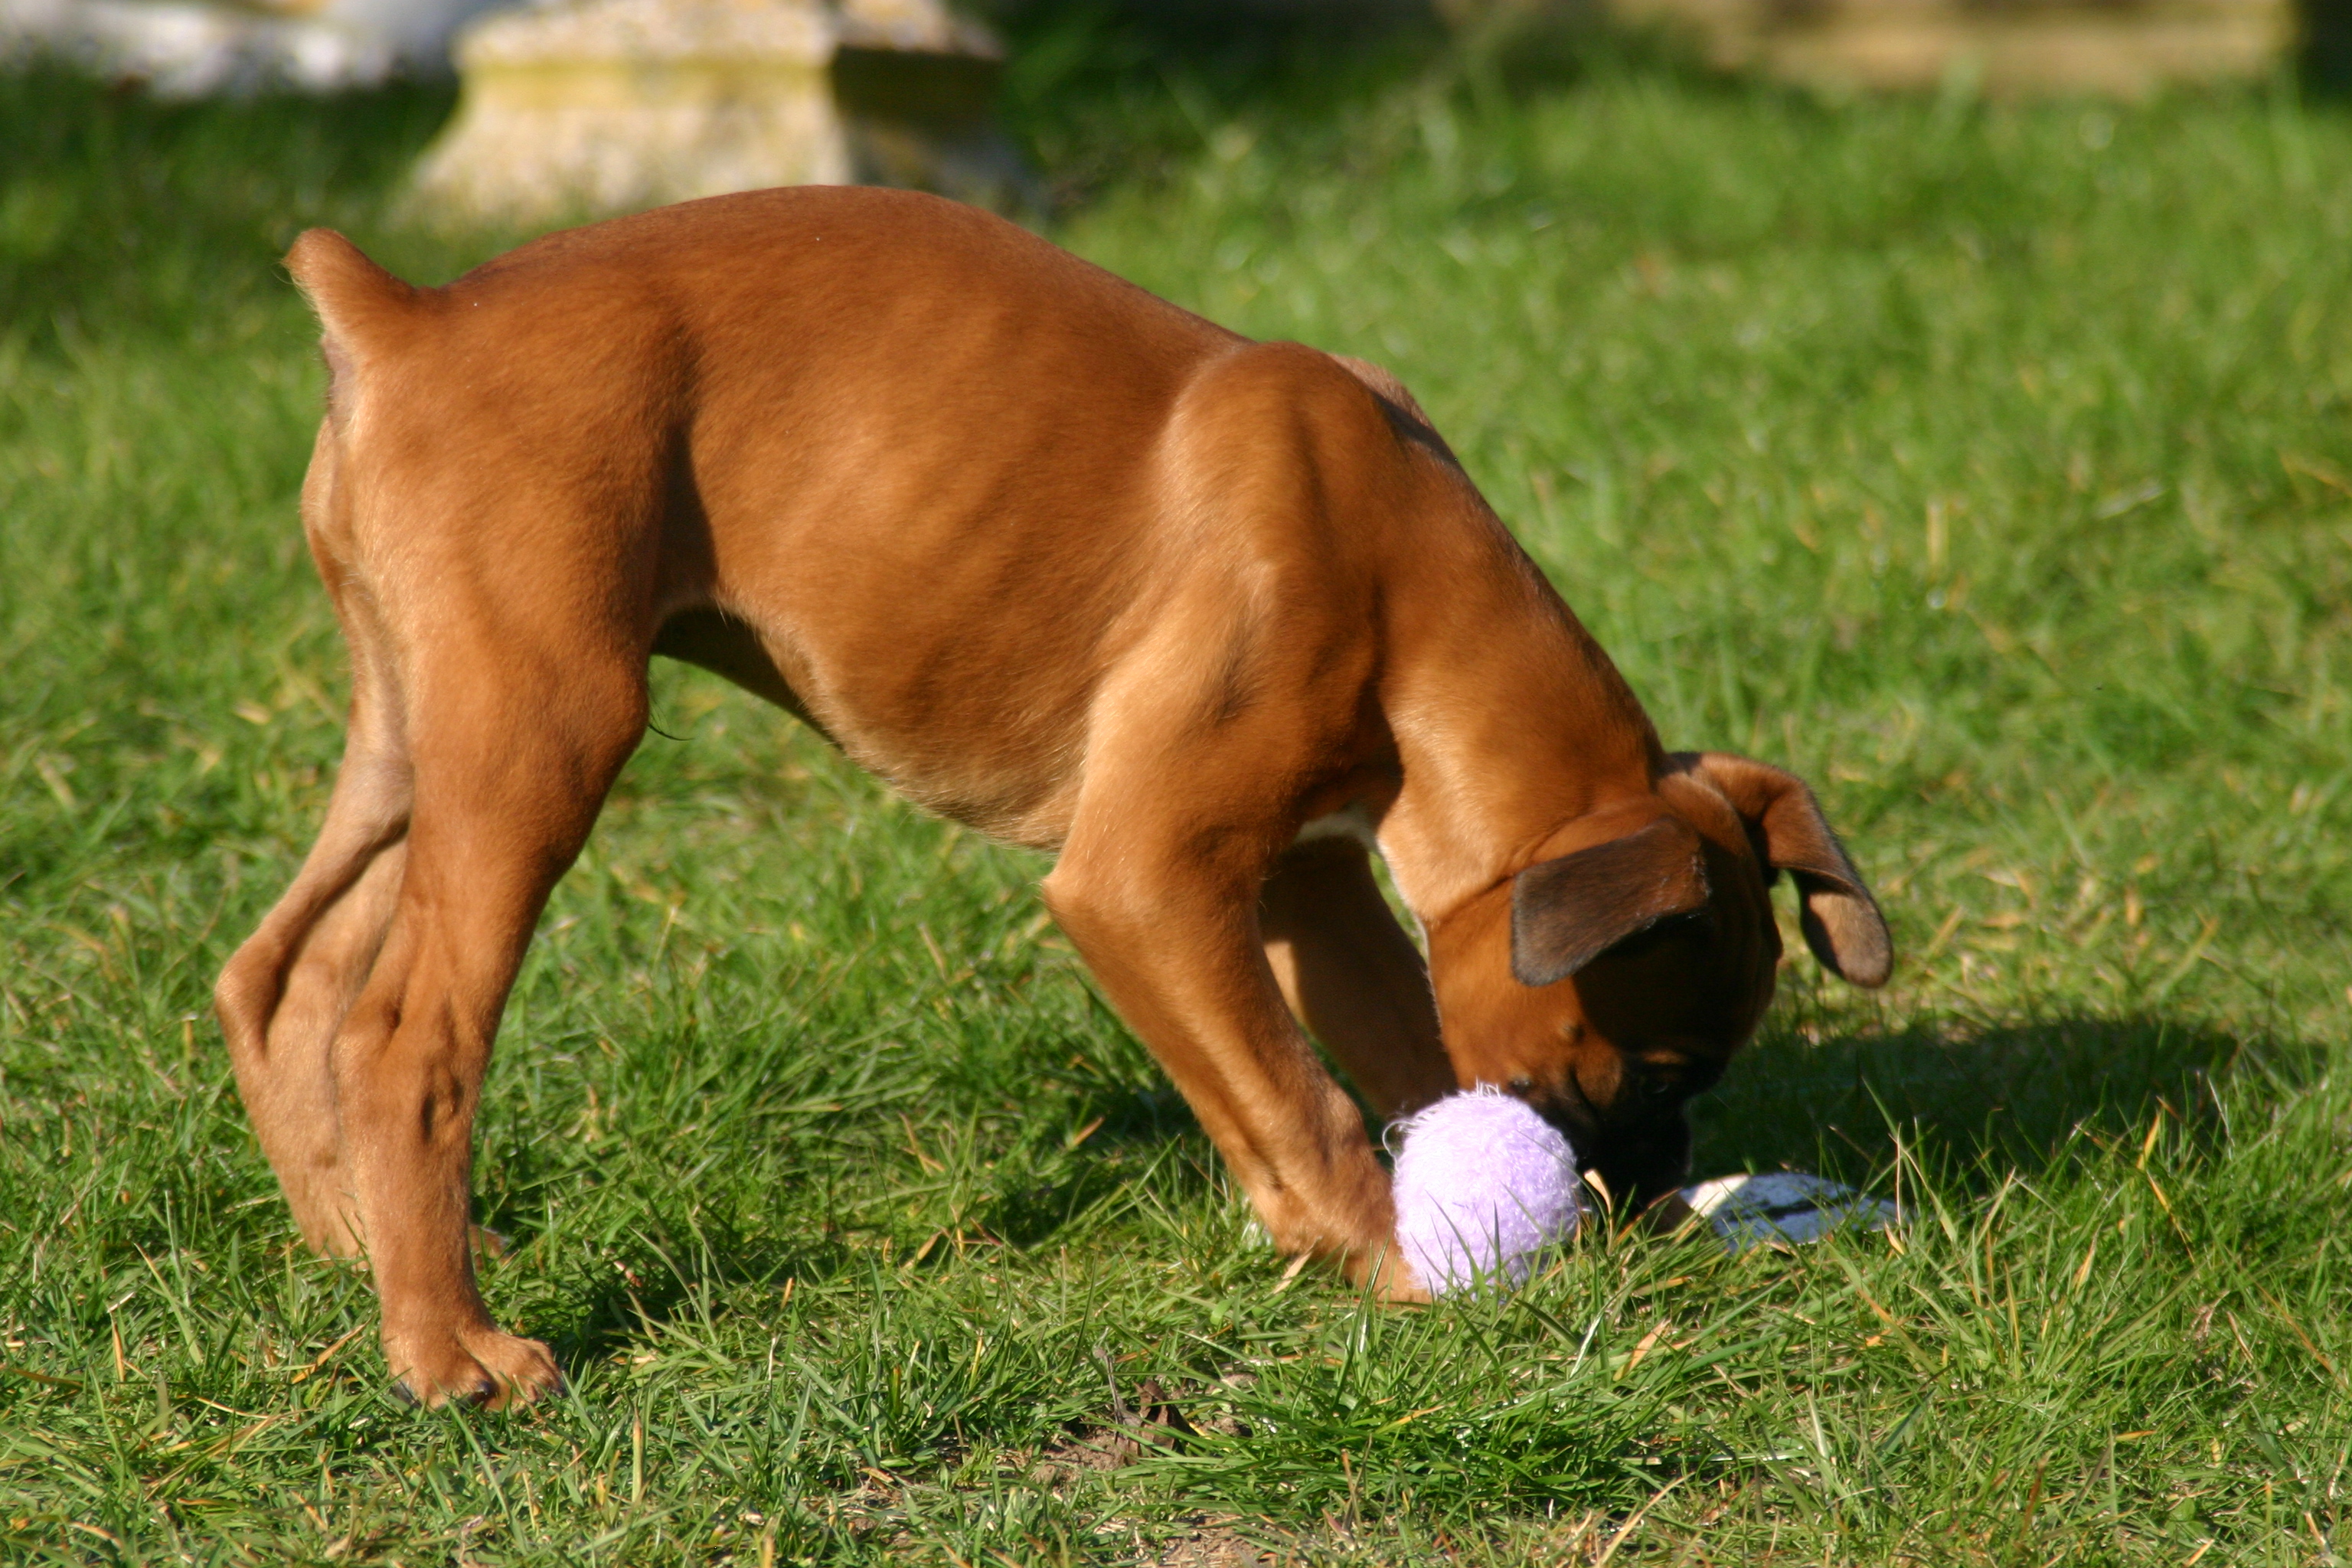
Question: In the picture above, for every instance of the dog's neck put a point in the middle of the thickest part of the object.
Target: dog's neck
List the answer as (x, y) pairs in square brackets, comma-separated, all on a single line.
[(1509, 721)]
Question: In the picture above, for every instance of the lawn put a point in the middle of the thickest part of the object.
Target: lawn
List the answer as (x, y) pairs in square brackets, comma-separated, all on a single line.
[(1990, 465)]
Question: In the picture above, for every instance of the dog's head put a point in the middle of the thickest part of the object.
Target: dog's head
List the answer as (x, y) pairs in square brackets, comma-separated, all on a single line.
[(1611, 979)]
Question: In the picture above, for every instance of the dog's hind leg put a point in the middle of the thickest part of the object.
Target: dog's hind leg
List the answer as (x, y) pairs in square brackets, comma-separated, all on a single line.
[(1353, 977), (284, 994), (516, 722)]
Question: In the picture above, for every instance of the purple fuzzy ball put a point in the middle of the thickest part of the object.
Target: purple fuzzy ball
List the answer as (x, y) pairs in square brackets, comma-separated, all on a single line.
[(1483, 1183)]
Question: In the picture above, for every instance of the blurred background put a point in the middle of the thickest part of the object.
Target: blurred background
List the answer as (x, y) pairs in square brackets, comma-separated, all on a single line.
[(573, 108)]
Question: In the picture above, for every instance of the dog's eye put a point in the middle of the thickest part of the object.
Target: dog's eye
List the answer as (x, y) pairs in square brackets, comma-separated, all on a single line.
[(1522, 1085), (1651, 1083), (1657, 1080)]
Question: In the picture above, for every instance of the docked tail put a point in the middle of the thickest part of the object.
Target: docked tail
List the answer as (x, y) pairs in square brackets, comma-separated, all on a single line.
[(361, 307)]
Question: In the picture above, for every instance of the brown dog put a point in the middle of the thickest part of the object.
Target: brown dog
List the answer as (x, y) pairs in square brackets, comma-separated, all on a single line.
[(1196, 614)]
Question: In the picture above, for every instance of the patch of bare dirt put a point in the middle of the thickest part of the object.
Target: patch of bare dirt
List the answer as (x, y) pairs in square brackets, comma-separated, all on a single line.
[(1210, 1542), (1146, 1421)]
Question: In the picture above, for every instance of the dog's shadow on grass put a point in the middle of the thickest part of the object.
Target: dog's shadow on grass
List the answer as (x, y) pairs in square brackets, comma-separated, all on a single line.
[(1982, 1100), (1977, 1102), (661, 1276)]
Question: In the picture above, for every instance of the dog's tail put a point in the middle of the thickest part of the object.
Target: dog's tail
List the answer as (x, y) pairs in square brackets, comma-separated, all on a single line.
[(360, 307)]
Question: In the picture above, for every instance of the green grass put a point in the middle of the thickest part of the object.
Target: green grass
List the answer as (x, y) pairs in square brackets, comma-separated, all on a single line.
[(1992, 466)]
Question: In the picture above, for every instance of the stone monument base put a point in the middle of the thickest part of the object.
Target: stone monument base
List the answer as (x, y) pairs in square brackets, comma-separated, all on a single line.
[(598, 106)]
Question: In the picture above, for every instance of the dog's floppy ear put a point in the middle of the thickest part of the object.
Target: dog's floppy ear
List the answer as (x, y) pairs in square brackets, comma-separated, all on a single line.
[(1567, 912), (1840, 919)]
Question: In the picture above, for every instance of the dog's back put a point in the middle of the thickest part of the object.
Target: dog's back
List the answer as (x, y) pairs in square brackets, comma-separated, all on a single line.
[(897, 464)]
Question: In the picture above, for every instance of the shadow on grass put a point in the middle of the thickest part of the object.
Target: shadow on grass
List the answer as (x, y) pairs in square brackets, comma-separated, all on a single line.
[(660, 1274), (1985, 1101), (1977, 1103)]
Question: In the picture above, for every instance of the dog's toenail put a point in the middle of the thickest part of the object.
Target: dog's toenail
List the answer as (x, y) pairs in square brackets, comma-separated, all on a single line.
[(406, 1395)]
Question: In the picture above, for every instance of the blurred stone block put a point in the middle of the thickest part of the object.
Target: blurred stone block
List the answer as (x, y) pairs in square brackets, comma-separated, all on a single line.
[(595, 106), (2126, 48)]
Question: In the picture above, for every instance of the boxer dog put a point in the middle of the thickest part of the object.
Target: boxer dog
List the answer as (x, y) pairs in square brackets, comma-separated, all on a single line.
[(1198, 617)]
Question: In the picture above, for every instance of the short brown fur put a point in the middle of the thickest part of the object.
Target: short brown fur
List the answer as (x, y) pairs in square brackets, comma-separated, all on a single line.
[(1055, 559)]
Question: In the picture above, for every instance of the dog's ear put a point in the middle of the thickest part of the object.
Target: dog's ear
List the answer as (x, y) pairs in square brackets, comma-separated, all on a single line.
[(1567, 912), (1840, 919)]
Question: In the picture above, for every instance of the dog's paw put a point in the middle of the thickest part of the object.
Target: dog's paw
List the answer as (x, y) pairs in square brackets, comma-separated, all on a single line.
[(1390, 1278), (482, 1368)]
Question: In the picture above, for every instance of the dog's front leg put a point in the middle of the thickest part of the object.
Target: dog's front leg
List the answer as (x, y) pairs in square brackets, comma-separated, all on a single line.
[(1171, 930), (1352, 975)]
